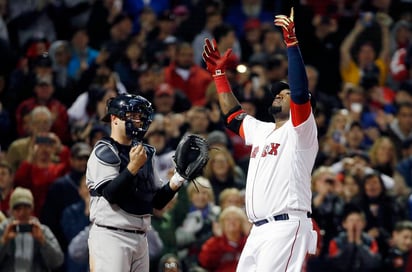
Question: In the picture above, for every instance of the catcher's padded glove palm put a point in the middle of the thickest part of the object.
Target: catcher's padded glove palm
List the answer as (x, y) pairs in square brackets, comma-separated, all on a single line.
[(191, 156)]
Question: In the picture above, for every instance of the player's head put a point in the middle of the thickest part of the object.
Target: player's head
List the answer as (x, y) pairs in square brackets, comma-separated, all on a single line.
[(281, 95), (281, 99), (135, 110)]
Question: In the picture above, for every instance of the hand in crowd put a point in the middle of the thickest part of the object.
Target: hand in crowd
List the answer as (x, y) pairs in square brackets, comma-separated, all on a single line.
[(12, 230), (37, 232), (43, 147), (355, 233), (374, 232), (103, 56)]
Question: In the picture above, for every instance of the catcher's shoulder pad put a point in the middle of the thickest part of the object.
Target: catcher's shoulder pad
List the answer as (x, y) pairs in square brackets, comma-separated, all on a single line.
[(150, 150), (107, 153)]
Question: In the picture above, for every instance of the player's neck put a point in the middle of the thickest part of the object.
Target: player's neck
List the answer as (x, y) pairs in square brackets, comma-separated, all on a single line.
[(280, 123), (121, 139)]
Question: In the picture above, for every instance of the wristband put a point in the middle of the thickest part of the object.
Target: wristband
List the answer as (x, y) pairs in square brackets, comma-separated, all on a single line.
[(222, 85), (177, 180)]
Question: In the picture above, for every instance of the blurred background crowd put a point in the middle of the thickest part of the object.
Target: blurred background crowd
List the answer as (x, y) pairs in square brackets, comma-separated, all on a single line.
[(62, 59)]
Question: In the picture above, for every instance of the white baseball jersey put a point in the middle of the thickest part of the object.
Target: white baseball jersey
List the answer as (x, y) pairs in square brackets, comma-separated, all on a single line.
[(281, 161)]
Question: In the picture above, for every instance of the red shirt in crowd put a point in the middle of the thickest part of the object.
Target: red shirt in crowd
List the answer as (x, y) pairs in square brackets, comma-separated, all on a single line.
[(194, 87), (38, 180), (220, 255)]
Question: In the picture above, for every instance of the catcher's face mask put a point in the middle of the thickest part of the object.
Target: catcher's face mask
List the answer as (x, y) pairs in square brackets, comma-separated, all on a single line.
[(135, 110)]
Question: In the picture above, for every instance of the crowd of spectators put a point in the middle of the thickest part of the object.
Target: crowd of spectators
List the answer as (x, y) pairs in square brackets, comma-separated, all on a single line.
[(61, 61)]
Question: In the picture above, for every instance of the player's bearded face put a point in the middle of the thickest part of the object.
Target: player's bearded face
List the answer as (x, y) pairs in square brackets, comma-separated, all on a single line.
[(273, 110), (279, 104)]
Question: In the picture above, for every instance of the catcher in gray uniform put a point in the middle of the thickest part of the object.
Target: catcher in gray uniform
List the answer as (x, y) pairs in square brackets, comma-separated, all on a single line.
[(124, 188)]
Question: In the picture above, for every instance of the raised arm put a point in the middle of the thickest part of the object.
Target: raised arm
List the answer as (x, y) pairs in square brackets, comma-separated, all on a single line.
[(348, 43), (229, 104), (384, 22), (300, 97), (216, 65)]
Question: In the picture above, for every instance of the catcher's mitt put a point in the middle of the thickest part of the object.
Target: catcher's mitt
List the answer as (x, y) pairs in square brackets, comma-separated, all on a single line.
[(191, 156)]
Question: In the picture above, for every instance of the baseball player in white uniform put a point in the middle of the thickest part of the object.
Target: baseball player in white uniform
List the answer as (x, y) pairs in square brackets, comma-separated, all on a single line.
[(278, 192), (124, 189)]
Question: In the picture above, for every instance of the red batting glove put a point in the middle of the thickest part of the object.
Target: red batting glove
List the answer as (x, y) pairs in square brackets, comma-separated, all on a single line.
[(288, 28), (215, 63)]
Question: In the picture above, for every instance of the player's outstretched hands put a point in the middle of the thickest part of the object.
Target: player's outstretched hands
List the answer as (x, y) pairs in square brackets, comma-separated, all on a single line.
[(288, 28), (215, 63)]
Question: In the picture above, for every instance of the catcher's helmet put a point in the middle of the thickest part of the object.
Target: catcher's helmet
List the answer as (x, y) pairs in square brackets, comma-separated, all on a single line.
[(123, 104)]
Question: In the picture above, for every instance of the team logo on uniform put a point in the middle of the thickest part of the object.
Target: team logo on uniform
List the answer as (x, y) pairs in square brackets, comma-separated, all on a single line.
[(241, 116), (269, 149)]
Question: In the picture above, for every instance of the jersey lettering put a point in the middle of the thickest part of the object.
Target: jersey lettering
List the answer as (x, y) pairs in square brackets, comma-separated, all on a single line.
[(270, 149), (274, 149), (254, 152)]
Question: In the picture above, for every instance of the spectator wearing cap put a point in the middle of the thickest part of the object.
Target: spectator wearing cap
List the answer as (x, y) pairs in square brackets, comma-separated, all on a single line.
[(25, 243), (43, 96), (64, 191), (217, 139), (183, 74), (6, 186), (168, 100), (164, 98)]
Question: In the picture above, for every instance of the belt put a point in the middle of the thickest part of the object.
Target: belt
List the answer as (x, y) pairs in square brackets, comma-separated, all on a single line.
[(125, 230), (279, 217)]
